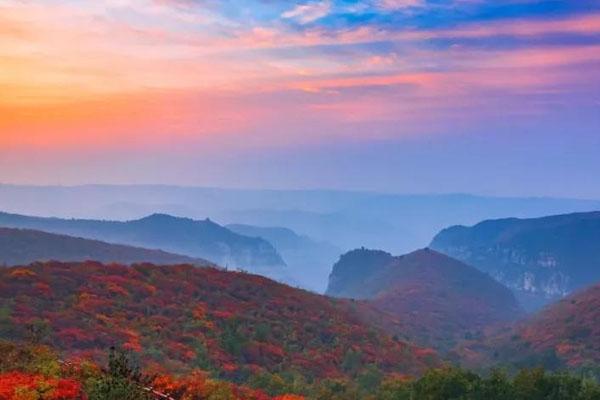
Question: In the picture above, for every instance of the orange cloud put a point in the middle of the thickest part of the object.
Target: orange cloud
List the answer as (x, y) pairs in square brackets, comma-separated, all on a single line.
[(143, 119)]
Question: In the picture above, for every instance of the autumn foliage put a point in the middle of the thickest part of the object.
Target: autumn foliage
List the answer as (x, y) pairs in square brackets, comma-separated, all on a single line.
[(177, 319)]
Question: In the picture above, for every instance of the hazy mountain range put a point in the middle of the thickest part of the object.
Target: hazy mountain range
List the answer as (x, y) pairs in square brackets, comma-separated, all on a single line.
[(204, 239), (393, 222)]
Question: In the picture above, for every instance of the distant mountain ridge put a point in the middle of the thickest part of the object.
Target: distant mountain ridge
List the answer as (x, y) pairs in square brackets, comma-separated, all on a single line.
[(24, 246), (192, 238), (309, 261), (437, 300), (398, 223), (541, 259)]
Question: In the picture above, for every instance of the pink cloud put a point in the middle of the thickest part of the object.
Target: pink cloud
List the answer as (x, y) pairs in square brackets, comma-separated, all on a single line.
[(394, 5), (580, 24)]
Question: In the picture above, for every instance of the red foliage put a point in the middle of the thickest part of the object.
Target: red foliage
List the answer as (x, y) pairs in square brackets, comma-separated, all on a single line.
[(71, 335), (222, 314), (182, 317), (17, 386)]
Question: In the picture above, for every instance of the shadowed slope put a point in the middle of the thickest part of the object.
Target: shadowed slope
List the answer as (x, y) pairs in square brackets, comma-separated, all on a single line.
[(24, 246)]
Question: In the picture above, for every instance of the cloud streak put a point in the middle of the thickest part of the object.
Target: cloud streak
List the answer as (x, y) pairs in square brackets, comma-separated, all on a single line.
[(309, 12)]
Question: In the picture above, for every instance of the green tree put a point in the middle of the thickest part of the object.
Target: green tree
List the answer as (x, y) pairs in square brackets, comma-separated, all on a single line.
[(335, 390), (122, 380), (273, 384), (395, 389), (233, 340), (369, 380), (352, 361), (496, 386), (446, 384), (263, 332)]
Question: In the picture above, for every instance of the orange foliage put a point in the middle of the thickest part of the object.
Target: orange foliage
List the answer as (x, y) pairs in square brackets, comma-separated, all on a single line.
[(22, 273), (43, 288), (200, 311)]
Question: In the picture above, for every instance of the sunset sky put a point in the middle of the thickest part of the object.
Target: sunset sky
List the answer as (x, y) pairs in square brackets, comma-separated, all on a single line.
[(480, 96)]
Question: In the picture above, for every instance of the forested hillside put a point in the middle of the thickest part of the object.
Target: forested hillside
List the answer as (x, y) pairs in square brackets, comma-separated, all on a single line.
[(177, 318)]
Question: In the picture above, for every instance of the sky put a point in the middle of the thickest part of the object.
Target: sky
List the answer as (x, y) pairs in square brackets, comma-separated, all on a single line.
[(409, 96)]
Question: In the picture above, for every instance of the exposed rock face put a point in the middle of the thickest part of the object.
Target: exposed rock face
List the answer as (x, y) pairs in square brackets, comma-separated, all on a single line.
[(541, 260)]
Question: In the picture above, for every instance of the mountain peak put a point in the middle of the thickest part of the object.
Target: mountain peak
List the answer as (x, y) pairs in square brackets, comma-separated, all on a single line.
[(426, 253), (445, 298), (163, 218), (353, 271)]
